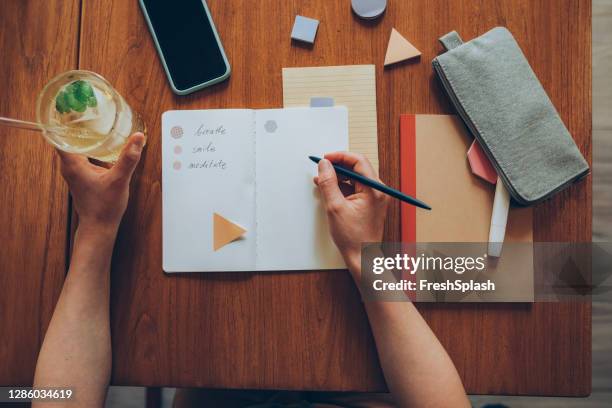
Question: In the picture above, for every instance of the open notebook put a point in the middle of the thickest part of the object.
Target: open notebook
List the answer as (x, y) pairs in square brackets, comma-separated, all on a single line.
[(238, 192)]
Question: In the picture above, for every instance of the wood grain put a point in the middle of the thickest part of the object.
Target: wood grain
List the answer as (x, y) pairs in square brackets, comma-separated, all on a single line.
[(33, 197), (308, 330)]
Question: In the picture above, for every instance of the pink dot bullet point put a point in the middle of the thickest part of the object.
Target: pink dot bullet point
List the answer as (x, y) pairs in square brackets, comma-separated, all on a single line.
[(176, 165), (178, 149)]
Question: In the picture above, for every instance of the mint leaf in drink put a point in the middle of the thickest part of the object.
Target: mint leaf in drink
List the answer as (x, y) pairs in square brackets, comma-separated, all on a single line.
[(76, 96), (83, 91), (72, 87), (86, 88), (61, 104), (75, 104)]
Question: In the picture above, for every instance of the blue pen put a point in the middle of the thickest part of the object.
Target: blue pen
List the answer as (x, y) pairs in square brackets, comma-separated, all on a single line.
[(375, 185)]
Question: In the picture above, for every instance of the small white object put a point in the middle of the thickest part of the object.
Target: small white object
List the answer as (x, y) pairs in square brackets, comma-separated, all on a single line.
[(304, 29), (499, 219), (369, 9)]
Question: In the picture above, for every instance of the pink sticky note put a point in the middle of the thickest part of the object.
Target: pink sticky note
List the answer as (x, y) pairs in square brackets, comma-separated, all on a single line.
[(480, 164)]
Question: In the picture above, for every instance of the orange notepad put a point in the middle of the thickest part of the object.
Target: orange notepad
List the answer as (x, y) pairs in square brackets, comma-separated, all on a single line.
[(435, 169)]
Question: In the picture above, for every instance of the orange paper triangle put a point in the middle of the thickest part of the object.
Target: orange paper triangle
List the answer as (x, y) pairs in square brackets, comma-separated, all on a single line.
[(399, 49), (224, 231)]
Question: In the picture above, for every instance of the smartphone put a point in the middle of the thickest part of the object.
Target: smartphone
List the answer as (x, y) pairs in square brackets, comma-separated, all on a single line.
[(187, 43)]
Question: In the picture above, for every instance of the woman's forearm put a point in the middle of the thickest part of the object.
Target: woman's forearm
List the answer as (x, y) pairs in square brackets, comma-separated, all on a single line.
[(418, 371), (76, 351)]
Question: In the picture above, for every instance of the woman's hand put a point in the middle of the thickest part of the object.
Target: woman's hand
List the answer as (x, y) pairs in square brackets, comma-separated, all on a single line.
[(100, 195), (358, 217)]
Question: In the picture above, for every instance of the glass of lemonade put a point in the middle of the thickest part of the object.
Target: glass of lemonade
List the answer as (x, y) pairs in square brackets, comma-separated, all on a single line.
[(82, 113)]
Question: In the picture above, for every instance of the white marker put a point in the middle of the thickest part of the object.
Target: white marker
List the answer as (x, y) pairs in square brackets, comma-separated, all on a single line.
[(499, 219)]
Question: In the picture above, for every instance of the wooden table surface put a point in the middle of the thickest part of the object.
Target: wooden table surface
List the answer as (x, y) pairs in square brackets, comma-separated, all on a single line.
[(273, 330)]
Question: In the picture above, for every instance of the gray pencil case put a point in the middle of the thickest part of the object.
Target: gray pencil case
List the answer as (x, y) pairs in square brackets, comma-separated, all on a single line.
[(501, 101)]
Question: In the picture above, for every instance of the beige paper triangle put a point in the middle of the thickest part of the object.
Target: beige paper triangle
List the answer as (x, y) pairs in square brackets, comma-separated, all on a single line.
[(224, 231), (399, 49)]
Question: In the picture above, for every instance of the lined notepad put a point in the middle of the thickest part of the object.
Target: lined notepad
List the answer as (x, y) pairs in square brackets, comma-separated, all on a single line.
[(353, 86)]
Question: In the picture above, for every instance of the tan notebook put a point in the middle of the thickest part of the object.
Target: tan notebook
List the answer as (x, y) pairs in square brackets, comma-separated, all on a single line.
[(353, 86), (434, 168)]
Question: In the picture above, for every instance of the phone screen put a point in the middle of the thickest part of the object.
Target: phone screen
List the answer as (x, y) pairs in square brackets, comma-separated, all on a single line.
[(187, 41)]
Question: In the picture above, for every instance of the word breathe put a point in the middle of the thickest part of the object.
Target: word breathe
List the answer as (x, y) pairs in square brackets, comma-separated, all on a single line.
[(204, 131), (412, 264)]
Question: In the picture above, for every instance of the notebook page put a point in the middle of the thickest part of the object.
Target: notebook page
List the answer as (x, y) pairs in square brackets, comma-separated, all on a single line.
[(353, 86), (208, 166), (292, 229)]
